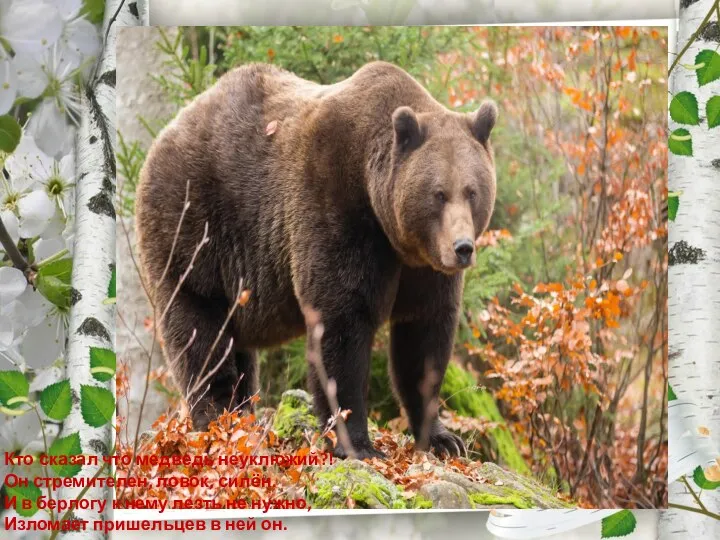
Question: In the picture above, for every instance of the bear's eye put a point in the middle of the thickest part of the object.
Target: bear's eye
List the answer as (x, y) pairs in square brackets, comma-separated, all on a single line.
[(440, 197), (471, 195)]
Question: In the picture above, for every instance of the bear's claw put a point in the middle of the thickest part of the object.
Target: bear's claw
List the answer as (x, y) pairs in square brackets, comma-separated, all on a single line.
[(364, 451), (446, 442)]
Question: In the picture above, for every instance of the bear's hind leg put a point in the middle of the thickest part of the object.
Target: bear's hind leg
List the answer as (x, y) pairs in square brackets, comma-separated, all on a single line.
[(205, 371)]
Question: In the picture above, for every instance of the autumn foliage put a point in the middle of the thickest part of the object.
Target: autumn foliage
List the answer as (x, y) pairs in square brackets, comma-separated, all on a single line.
[(580, 359), (565, 313), (235, 434)]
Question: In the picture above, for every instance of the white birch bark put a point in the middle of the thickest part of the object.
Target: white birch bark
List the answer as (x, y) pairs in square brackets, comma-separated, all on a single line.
[(694, 290), (92, 320)]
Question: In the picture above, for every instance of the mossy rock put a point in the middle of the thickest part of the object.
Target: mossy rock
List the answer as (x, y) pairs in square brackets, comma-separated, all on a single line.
[(510, 489), (358, 481), (294, 415), (445, 495), (501, 488), (419, 502), (459, 390), (492, 500)]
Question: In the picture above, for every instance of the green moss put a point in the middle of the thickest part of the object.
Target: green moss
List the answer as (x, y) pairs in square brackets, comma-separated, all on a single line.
[(490, 499), (357, 481), (294, 415), (511, 484), (418, 502), (460, 392)]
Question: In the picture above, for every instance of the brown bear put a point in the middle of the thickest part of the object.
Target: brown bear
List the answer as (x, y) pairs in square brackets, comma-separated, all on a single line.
[(361, 200)]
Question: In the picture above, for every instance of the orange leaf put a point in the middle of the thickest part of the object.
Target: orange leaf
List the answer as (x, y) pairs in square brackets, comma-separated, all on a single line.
[(622, 31), (244, 298), (574, 94), (631, 61)]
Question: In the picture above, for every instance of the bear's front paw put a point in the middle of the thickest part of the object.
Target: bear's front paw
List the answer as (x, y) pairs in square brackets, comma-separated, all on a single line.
[(201, 419), (443, 441), (361, 450)]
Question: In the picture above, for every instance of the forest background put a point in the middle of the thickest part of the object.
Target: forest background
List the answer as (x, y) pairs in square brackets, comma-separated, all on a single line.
[(560, 359)]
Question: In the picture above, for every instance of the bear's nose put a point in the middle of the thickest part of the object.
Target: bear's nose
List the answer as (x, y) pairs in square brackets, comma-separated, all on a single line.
[(464, 249)]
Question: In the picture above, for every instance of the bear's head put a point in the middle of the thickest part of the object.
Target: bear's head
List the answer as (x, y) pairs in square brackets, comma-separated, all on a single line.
[(443, 185)]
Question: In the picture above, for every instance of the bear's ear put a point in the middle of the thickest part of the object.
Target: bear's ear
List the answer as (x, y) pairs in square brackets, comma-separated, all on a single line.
[(408, 134), (483, 120)]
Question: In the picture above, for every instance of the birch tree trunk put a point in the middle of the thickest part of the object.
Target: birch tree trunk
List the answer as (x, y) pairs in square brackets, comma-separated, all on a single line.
[(92, 316), (694, 298)]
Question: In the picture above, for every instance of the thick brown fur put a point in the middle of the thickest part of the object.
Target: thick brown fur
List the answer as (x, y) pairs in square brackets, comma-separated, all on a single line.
[(363, 203)]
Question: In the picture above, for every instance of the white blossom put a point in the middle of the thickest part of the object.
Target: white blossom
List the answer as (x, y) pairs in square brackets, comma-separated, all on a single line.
[(52, 76), (27, 161), (8, 82), (50, 127), (36, 209), (29, 26), (80, 38), (12, 284), (46, 333), (31, 189), (11, 223), (12, 330), (47, 376), (45, 47), (24, 436), (57, 178)]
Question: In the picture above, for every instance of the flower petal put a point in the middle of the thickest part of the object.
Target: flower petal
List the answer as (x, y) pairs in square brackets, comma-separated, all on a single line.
[(80, 40), (49, 126), (36, 210), (8, 83), (30, 25), (15, 311), (44, 343), (47, 247), (7, 332), (68, 8), (12, 284), (28, 164), (10, 221), (36, 307), (45, 377), (31, 78), (21, 431)]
